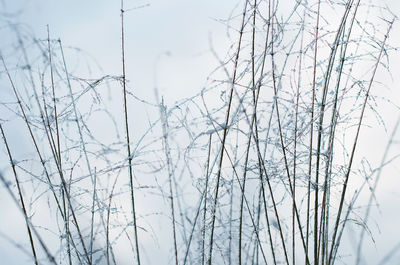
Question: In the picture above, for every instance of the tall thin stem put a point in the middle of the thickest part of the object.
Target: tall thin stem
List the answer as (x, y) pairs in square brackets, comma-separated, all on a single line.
[(312, 124), (20, 195), (224, 135), (127, 134)]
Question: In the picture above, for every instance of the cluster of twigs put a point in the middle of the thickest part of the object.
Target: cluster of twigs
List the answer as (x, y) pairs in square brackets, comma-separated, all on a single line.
[(261, 175)]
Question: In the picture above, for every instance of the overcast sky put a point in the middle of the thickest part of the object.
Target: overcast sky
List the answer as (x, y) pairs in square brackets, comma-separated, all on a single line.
[(168, 45)]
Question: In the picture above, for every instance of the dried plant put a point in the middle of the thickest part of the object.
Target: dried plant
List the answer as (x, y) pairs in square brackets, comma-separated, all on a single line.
[(260, 167)]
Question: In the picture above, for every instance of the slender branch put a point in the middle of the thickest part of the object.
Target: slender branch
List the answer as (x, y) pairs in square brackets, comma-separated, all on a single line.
[(127, 134)]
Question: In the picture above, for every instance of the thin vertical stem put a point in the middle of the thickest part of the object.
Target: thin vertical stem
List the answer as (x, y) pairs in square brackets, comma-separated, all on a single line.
[(250, 134), (295, 145), (170, 173), (312, 124), (127, 134), (205, 202), (224, 135), (58, 148), (20, 195)]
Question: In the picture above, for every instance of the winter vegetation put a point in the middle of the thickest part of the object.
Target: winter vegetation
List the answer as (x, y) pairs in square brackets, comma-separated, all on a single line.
[(277, 159)]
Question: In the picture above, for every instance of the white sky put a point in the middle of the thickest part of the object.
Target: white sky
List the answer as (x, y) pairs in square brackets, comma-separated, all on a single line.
[(184, 30)]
